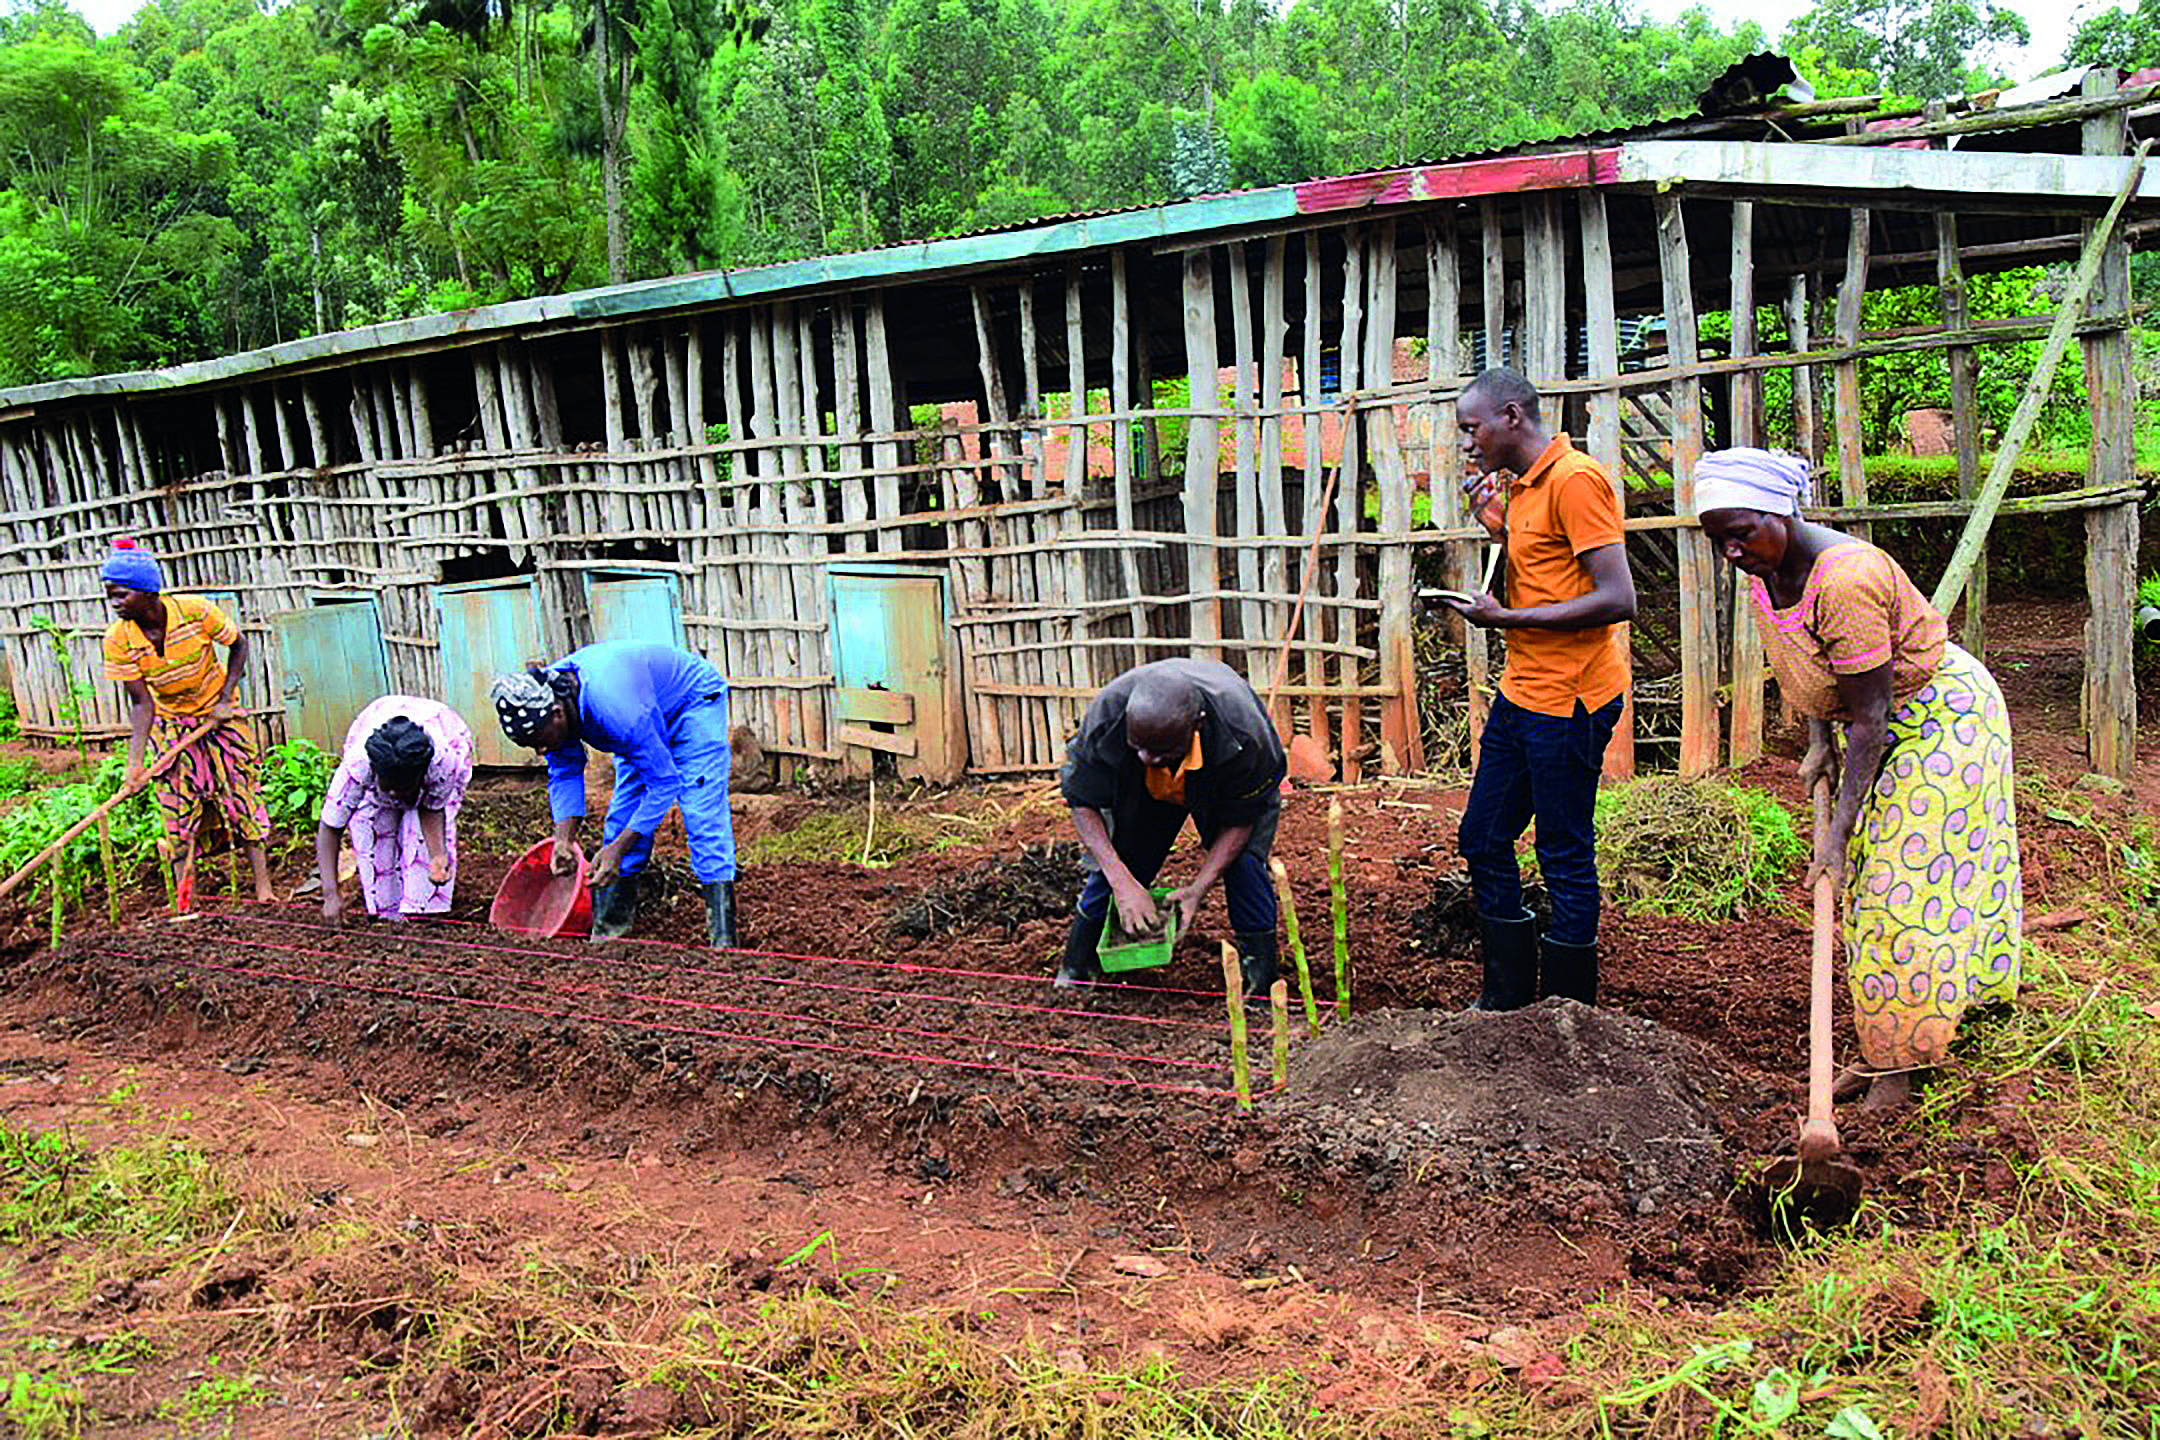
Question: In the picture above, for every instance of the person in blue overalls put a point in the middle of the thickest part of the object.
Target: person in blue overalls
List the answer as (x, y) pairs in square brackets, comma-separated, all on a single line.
[(662, 712)]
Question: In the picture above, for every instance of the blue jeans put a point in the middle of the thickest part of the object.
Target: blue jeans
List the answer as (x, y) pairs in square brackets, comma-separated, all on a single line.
[(1546, 766), (1142, 835), (699, 743)]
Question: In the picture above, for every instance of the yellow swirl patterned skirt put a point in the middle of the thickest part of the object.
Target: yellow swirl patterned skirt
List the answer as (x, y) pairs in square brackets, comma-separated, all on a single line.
[(1934, 913)]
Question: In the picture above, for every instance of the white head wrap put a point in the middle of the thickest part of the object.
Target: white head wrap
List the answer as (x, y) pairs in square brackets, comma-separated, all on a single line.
[(523, 704), (1767, 480)]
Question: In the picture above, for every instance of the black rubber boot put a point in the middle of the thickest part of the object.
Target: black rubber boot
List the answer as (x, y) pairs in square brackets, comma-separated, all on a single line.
[(1257, 964), (1081, 965), (720, 914), (614, 907), (1510, 952), (1570, 970)]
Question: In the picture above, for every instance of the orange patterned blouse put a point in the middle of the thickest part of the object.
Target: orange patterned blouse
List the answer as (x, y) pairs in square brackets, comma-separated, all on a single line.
[(1858, 610)]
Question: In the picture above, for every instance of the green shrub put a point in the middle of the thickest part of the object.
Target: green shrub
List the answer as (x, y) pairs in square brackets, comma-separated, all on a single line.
[(295, 777)]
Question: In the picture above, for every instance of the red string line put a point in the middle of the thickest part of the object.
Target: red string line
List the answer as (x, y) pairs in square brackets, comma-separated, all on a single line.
[(670, 1002), (584, 956), (703, 1033), (904, 966)]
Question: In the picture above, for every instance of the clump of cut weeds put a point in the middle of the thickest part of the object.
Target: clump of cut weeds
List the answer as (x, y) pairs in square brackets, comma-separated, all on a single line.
[(1692, 849)]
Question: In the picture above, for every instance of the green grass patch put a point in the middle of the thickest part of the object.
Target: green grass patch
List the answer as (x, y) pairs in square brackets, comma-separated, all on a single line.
[(1694, 849), (38, 1407), (844, 837), (160, 1190)]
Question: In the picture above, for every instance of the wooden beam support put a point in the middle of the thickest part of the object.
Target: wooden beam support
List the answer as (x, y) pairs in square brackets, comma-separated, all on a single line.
[(2110, 699), (1698, 611), (1203, 450), (1601, 319), (1750, 670)]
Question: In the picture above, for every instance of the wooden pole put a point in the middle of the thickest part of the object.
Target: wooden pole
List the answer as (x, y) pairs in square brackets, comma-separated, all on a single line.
[(1234, 997), (1203, 453), (1602, 322), (1698, 615), (1964, 412), (1852, 460), (1974, 538), (1750, 669), (112, 870)]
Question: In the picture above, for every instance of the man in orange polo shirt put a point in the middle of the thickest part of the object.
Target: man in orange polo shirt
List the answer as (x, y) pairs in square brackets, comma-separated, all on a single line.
[(1544, 743)]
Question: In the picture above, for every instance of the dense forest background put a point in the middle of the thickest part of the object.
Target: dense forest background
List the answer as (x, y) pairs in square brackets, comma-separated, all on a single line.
[(224, 174)]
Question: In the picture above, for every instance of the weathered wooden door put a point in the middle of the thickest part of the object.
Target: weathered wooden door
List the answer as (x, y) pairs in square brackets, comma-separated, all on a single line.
[(333, 664), (635, 607), (484, 629), (893, 673)]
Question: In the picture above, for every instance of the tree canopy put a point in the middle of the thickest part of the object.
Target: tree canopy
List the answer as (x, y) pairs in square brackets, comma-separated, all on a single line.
[(224, 174)]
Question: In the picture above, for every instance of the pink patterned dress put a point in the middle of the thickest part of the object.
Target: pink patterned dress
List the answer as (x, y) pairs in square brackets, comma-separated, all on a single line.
[(391, 854)]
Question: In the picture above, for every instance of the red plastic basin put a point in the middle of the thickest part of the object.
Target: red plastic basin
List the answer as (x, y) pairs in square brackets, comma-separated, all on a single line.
[(534, 900)]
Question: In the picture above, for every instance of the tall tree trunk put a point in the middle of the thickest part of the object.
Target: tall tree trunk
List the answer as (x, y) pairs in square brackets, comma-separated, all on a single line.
[(315, 275), (610, 147)]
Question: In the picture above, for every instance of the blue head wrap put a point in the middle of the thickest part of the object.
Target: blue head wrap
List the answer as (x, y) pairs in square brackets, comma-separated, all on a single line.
[(133, 568)]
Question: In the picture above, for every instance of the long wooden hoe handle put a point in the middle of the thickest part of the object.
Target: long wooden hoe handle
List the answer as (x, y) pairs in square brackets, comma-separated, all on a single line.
[(164, 762), (1819, 1137)]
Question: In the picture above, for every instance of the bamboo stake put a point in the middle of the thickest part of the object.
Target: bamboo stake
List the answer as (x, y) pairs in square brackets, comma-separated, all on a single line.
[(1279, 1004), (112, 869), (1234, 996), (2012, 445), (57, 912), (1297, 944), (1339, 904)]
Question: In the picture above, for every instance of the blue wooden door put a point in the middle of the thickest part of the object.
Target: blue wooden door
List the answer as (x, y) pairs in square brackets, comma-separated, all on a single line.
[(333, 664), (889, 640), (635, 607), (485, 629)]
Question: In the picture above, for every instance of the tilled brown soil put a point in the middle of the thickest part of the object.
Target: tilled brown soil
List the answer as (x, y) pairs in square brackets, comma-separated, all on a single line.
[(939, 1053)]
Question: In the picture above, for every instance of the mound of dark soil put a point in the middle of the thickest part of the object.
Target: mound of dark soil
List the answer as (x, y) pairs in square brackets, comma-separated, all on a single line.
[(1581, 1109), (1040, 883)]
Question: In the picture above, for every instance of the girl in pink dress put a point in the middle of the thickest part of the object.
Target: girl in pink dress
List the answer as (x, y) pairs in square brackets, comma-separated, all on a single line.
[(407, 762)]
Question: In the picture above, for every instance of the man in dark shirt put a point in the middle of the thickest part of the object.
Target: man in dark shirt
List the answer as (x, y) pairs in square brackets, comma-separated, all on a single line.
[(1161, 742)]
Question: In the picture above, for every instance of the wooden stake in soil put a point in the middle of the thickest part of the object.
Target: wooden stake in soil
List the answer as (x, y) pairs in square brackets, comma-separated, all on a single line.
[(56, 910), (1234, 994), (1297, 944), (1279, 1003), (112, 871), (1339, 903)]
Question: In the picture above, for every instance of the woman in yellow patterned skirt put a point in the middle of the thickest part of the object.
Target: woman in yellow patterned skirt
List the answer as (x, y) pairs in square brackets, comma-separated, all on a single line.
[(1924, 830), (162, 649)]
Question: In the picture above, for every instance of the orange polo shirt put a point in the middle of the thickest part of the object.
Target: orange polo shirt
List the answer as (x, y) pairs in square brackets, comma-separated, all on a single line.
[(1562, 508)]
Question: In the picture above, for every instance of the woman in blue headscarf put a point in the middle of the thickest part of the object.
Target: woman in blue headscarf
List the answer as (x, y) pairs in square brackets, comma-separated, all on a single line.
[(662, 713), (162, 649), (1923, 832)]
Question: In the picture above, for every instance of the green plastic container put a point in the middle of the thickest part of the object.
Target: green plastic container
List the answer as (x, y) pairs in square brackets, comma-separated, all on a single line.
[(1143, 954)]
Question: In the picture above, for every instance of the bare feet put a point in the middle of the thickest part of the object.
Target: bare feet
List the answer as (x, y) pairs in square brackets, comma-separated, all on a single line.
[(1889, 1092)]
